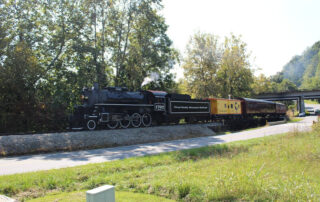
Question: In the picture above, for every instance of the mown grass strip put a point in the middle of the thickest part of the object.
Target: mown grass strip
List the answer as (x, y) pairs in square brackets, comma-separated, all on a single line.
[(283, 167), (294, 120), (80, 196)]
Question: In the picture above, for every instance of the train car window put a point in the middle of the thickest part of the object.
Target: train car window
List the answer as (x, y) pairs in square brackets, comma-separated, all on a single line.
[(231, 106), (225, 105)]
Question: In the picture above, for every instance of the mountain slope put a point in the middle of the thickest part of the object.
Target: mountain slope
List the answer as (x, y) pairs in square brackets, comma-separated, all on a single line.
[(304, 70)]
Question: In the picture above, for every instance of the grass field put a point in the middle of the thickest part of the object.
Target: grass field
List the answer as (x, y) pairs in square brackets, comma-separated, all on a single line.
[(80, 196), (294, 120), (311, 101), (284, 168)]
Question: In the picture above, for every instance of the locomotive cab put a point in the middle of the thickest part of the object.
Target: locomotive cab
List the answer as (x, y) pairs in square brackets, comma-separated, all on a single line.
[(158, 98)]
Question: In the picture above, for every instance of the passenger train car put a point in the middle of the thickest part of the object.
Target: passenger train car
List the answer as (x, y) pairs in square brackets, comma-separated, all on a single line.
[(225, 108), (115, 107)]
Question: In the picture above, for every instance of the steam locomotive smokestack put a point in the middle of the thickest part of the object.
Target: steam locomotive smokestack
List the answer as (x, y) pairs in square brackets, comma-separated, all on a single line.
[(154, 76)]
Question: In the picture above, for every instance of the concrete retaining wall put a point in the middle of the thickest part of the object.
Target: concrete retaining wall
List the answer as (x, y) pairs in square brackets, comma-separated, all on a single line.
[(68, 141), (276, 123)]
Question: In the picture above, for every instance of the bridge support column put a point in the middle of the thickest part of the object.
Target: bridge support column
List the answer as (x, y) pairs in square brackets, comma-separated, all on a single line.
[(301, 104)]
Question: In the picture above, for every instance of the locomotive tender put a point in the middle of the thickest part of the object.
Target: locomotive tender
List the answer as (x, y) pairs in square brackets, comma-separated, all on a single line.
[(117, 107)]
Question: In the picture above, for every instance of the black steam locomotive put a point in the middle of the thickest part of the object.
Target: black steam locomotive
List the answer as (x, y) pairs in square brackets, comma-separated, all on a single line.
[(114, 107)]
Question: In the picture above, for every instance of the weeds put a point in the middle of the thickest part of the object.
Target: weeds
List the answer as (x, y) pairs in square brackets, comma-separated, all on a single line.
[(294, 132), (9, 190), (316, 127), (222, 150), (183, 190)]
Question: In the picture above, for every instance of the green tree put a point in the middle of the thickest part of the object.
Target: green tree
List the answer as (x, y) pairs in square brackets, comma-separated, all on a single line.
[(213, 70), (261, 84), (19, 77), (234, 76), (286, 86), (182, 86), (150, 48), (165, 82), (139, 42), (277, 78), (201, 64)]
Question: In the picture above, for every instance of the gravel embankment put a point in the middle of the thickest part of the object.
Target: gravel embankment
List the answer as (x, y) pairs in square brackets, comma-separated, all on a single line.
[(69, 141)]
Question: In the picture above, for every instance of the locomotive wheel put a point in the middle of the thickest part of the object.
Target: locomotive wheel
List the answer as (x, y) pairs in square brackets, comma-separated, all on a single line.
[(125, 123), (146, 120), (113, 124), (136, 120), (91, 124)]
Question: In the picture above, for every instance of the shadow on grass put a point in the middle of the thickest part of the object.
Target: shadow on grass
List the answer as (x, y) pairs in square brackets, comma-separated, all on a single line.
[(219, 150)]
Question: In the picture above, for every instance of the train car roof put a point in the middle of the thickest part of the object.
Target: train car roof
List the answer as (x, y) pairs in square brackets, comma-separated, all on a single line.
[(157, 93), (223, 99), (257, 100)]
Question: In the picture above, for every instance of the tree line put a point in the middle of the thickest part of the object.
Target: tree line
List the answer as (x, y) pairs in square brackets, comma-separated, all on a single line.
[(215, 67), (51, 49)]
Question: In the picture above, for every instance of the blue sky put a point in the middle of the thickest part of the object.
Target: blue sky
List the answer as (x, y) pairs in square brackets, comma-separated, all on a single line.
[(274, 31)]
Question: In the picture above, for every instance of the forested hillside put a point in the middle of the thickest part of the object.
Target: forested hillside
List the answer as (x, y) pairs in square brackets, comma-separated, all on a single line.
[(304, 70)]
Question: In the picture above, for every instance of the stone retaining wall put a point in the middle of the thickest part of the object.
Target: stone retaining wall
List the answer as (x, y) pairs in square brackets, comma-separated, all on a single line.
[(69, 141)]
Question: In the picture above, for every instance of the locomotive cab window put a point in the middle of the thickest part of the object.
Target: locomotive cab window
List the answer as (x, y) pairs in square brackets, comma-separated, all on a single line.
[(161, 100)]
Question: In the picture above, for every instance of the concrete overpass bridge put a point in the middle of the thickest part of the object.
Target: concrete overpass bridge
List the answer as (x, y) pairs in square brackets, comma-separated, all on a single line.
[(299, 96)]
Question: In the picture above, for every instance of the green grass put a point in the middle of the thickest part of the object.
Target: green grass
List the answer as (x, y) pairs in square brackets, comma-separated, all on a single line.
[(282, 168), (80, 196), (294, 120), (235, 131), (311, 101)]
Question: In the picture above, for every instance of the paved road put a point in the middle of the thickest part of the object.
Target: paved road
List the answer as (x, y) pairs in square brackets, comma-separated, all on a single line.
[(31, 163), (315, 106)]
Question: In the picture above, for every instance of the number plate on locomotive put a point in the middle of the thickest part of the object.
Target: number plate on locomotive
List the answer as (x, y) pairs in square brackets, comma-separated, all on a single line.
[(159, 107)]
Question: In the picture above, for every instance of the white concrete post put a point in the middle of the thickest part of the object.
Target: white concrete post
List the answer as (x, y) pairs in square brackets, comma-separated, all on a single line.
[(101, 194)]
